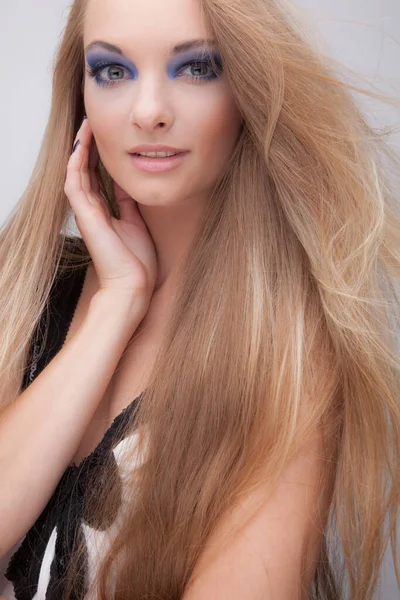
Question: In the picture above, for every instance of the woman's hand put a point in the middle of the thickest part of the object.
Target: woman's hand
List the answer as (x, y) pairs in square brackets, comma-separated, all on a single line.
[(122, 251)]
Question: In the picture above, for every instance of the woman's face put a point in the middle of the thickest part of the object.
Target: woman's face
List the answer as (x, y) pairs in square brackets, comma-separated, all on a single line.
[(151, 94)]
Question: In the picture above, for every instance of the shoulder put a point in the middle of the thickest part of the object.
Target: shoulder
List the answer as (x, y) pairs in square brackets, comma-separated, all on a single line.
[(278, 535), (275, 552)]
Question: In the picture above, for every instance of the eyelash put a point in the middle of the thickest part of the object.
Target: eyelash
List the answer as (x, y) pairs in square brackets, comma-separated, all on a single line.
[(94, 71)]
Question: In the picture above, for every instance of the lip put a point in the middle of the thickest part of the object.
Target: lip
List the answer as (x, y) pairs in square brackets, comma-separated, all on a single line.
[(155, 148), (157, 165)]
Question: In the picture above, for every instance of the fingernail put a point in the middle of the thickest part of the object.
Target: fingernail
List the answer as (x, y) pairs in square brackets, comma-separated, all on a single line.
[(75, 146)]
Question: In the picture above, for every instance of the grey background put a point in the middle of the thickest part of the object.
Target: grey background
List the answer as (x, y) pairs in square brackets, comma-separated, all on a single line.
[(363, 34)]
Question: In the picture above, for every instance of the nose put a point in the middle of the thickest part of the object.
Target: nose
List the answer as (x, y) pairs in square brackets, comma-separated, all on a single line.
[(150, 108)]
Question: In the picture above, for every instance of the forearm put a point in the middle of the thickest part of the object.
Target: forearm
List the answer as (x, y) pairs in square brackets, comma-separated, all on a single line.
[(41, 430)]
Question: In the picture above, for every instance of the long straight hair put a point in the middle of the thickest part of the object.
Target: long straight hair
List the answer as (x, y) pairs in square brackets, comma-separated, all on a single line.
[(285, 323)]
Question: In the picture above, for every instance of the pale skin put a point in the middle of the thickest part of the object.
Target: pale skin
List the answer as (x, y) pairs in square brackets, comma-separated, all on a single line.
[(156, 102), (148, 105), (156, 98)]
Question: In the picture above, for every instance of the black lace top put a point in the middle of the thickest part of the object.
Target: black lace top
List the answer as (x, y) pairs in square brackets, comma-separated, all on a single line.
[(37, 567)]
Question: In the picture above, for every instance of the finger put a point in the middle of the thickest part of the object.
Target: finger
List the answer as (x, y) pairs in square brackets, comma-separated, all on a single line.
[(128, 208), (93, 162), (85, 135), (89, 181), (80, 202), (73, 182)]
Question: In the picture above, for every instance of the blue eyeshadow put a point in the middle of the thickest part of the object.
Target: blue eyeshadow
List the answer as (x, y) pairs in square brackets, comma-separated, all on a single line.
[(178, 63), (93, 59), (174, 66)]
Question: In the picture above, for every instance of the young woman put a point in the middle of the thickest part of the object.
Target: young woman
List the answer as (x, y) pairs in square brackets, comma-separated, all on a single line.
[(200, 395)]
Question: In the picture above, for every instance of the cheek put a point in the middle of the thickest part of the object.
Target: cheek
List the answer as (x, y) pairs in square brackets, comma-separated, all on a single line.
[(108, 141), (104, 124), (218, 130)]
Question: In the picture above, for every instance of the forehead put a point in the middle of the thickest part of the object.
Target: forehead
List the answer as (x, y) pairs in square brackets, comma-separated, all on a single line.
[(143, 22)]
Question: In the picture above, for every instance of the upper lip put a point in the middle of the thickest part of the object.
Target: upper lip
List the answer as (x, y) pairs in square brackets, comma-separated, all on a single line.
[(154, 148)]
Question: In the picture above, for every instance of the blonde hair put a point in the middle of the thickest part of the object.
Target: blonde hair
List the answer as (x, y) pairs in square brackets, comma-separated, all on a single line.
[(285, 321)]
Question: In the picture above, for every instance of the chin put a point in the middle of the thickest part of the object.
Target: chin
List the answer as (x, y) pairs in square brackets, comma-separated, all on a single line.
[(155, 194)]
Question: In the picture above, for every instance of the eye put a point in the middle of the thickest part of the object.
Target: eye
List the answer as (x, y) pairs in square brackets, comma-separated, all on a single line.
[(111, 69), (201, 71), (204, 70)]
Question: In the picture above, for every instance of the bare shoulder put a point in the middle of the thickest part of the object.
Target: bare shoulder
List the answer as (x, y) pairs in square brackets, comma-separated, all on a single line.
[(274, 554)]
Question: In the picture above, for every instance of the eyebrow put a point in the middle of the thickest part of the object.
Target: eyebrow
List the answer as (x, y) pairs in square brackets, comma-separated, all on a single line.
[(182, 47)]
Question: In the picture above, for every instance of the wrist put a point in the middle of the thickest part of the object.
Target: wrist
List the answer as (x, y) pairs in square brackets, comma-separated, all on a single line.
[(122, 307)]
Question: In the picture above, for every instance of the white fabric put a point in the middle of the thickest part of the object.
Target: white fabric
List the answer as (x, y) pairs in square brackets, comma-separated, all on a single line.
[(44, 577), (97, 542)]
